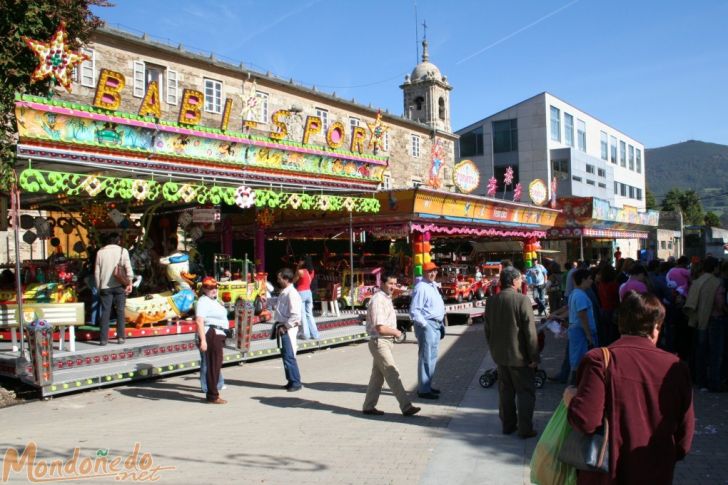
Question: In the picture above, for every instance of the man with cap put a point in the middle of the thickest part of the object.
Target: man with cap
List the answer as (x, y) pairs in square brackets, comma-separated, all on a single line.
[(427, 312)]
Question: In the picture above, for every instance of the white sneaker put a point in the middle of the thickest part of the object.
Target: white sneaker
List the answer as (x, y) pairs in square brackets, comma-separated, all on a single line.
[(223, 387)]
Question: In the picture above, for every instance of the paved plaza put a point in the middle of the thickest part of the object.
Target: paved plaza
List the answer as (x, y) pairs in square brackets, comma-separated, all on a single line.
[(265, 435)]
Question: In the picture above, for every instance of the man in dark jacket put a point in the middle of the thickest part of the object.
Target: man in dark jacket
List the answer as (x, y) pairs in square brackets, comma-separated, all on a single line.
[(511, 334)]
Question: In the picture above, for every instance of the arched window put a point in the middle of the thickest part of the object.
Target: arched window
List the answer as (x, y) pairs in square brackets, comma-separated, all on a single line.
[(441, 106), (419, 101)]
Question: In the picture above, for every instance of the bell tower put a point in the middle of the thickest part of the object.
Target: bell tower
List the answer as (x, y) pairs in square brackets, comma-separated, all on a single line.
[(427, 94)]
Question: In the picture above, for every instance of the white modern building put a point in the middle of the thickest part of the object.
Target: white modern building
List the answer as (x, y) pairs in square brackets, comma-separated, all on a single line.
[(545, 137)]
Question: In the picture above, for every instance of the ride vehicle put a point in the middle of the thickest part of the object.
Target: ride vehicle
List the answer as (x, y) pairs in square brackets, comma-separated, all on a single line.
[(458, 285), (366, 282)]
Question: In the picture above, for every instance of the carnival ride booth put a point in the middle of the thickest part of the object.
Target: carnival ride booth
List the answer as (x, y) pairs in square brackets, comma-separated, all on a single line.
[(590, 229), (418, 221), (163, 185)]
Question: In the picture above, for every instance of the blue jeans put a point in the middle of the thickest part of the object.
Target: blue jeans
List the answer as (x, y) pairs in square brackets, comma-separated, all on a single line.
[(203, 374), (307, 321), (538, 295), (290, 366), (716, 337), (428, 343)]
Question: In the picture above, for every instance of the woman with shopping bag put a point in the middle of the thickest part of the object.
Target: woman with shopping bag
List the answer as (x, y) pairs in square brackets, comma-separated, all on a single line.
[(642, 392)]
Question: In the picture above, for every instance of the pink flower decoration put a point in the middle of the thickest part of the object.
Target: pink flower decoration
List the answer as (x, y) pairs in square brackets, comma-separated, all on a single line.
[(517, 192), (492, 186), (508, 178)]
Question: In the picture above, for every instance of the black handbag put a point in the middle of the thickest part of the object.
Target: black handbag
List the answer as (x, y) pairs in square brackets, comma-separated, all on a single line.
[(589, 452)]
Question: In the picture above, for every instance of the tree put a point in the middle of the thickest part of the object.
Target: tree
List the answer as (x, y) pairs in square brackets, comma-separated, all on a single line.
[(711, 219), (687, 202), (36, 19), (650, 202)]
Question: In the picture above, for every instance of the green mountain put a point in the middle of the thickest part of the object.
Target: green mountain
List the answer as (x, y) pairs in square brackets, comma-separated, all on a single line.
[(695, 165)]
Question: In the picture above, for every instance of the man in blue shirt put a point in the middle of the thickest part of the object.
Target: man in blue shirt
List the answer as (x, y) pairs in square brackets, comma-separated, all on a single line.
[(427, 312), (537, 280)]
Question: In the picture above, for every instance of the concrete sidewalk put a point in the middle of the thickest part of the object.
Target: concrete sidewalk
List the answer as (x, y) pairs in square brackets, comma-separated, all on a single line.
[(319, 435)]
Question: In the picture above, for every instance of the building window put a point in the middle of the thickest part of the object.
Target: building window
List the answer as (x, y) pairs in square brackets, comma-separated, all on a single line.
[(602, 185), (416, 181), (172, 86), (86, 74), (560, 169), (576, 179), (471, 143), (589, 168), (604, 146), (385, 143), (505, 136), (213, 96), (555, 124), (622, 153), (622, 190), (601, 172), (631, 191), (589, 182), (638, 160), (630, 150), (387, 181), (441, 108), (616, 188), (663, 244), (324, 115), (613, 149), (416, 146), (669, 245), (419, 101), (144, 74), (568, 129), (638, 193), (353, 123), (261, 112), (581, 135)]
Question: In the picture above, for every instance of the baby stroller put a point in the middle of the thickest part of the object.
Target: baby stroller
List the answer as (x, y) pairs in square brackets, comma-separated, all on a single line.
[(490, 376)]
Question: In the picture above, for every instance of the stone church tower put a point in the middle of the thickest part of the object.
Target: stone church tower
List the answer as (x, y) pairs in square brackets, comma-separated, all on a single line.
[(427, 94)]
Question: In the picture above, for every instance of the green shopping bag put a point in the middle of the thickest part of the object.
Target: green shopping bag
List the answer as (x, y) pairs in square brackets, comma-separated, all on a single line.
[(546, 469)]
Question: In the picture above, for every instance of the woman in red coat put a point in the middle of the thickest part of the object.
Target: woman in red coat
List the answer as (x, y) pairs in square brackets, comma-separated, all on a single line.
[(648, 401)]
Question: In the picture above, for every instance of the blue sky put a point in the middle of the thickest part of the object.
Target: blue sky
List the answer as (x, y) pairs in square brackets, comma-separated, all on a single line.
[(654, 69)]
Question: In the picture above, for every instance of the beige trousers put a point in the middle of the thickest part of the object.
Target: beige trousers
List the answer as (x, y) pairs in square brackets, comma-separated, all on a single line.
[(384, 369)]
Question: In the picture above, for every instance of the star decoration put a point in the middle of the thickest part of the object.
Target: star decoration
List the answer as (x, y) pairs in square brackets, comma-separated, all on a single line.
[(377, 130), (56, 60)]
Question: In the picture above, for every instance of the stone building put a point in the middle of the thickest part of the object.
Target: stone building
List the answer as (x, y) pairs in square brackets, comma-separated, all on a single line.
[(420, 148)]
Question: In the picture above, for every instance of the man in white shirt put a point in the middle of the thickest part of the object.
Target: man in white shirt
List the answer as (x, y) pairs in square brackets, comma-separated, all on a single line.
[(382, 329), (287, 309)]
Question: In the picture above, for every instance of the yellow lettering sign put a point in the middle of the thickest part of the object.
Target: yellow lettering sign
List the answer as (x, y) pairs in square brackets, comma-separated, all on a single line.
[(190, 113), (108, 89)]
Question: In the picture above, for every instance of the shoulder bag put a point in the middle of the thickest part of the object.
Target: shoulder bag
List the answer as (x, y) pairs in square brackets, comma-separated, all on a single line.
[(590, 452), (120, 271)]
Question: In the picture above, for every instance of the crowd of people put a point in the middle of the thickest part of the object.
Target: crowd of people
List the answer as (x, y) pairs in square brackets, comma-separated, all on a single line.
[(693, 294)]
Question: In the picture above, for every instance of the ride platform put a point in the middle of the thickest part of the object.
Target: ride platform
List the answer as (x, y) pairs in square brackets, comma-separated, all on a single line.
[(159, 351)]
